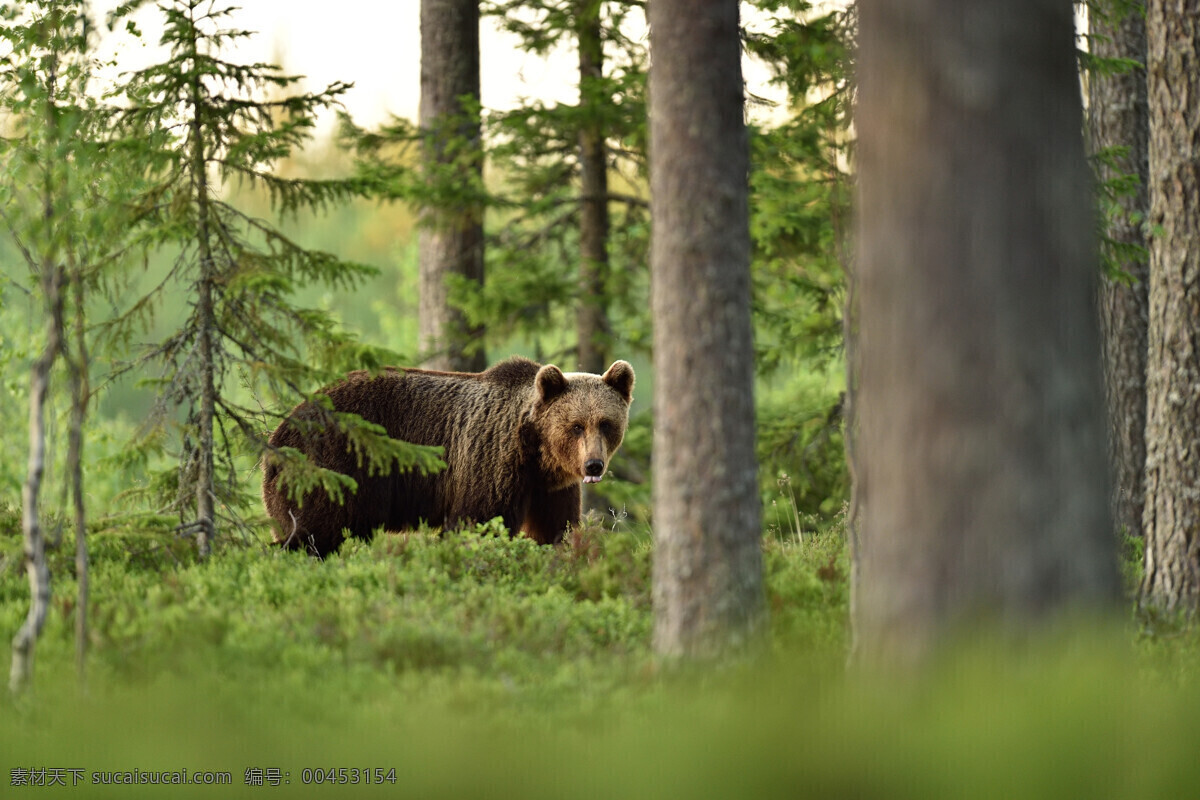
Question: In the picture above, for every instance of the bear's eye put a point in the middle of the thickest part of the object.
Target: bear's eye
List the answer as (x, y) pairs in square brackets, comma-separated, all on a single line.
[(577, 429), (606, 428)]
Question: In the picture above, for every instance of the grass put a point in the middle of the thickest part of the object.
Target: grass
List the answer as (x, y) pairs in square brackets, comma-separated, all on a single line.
[(478, 666)]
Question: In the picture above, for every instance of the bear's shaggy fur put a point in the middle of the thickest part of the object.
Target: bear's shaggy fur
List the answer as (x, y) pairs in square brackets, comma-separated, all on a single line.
[(519, 439)]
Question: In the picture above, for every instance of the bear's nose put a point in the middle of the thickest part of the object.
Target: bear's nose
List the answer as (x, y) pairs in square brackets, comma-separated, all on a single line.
[(594, 467)]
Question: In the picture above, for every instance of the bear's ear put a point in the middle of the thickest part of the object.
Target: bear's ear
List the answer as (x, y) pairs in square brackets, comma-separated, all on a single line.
[(550, 383), (620, 377)]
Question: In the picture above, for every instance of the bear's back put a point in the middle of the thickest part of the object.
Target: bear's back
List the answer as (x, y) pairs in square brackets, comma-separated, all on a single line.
[(477, 418), (514, 372), (441, 408)]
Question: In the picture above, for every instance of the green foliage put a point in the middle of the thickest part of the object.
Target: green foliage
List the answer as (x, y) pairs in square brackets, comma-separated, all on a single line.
[(1114, 185), (797, 225), (16, 352), (800, 445), (472, 602), (800, 189), (800, 208), (808, 591), (464, 621), (389, 163), (476, 603)]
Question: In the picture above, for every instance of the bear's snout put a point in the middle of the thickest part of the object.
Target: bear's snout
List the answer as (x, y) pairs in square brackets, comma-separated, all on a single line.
[(593, 468)]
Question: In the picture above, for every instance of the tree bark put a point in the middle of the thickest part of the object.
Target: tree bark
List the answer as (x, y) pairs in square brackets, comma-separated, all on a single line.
[(1119, 117), (450, 241), (981, 440), (80, 390), (25, 641), (592, 325), (206, 328), (52, 278), (708, 591), (1171, 522), (206, 527)]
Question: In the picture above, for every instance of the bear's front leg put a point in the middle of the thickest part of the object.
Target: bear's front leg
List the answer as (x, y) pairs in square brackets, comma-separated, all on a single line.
[(551, 513)]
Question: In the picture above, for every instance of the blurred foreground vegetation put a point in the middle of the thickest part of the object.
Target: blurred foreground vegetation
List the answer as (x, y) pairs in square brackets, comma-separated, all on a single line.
[(478, 665)]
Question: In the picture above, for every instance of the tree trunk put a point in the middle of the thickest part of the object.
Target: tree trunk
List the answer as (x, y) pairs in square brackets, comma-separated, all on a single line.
[(592, 317), (1172, 515), (206, 322), (1119, 118), (25, 641), (450, 241), (79, 399), (34, 541), (981, 445), (205, 513), (708, 590)]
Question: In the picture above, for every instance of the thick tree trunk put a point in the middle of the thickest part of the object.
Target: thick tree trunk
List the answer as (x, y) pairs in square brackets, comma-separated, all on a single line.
[(708, 591), (592, 317), (25, 641), (981, 449), (1119, 118), (450, 241), (1172, 515)]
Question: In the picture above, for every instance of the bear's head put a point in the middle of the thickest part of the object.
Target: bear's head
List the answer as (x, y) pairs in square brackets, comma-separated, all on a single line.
[(580, 420)]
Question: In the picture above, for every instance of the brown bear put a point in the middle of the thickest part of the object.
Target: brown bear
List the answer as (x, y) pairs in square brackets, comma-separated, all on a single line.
[(518, 440)]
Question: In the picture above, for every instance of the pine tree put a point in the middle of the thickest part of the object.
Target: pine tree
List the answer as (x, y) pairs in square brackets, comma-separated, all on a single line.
[(208, 123), (572, 190)]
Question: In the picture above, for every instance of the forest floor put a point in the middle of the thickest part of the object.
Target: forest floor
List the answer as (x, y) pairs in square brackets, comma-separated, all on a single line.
[(472, 665)]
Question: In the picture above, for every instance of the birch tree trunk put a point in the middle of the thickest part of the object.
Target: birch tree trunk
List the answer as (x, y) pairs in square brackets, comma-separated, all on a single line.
[(981, 448), (24, 643), (708, 590), (52, 278)]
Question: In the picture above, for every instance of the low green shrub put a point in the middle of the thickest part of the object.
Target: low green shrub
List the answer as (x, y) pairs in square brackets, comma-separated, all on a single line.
[(477, 665)]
